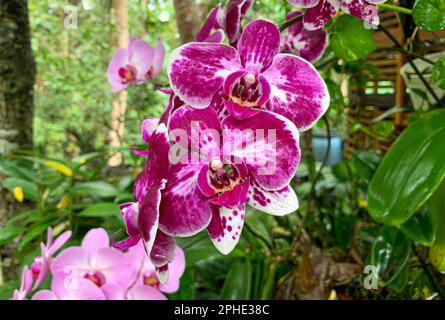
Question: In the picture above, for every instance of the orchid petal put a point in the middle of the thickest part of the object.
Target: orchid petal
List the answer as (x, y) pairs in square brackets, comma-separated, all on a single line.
[(268, 144), (142, 292), (361, 9), (277, 203), (141, 56), (113, 292), (259, 43), (316, 17), (44, 295), (59, 242), (158, 59), (297, 91), (197, 70), (304, 3), (176, 270), (78, 289), (94, 240), (110, 262), (72, 259), (233, 198), (184, 209), (163, 251), (210, 24), (148, 127), (119, 60), (216, 37), (225, 227), (130, 214)]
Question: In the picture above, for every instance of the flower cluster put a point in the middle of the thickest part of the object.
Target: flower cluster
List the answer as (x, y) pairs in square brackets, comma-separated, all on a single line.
[(96, 271), (228, 137)]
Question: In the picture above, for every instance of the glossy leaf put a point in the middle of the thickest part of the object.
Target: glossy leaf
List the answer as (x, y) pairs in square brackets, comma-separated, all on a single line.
[(100, 210), (410, 172), (436, 205), (420, 228), (350, 41), (238, 282), (95, 188), (390, 254), (8, 233), (429, 14), (439, 73)]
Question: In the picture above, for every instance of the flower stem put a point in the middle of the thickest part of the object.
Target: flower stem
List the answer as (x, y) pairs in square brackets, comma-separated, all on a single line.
[(290, 22), (395, 8)]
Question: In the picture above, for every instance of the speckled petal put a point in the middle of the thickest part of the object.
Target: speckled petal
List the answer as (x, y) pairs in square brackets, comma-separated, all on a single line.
[(316, 17), (304, 3), (361, 9), (277, 203)]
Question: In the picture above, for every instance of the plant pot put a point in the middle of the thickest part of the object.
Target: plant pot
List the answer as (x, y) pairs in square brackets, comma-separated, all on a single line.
[(320, 147), (413, 82)]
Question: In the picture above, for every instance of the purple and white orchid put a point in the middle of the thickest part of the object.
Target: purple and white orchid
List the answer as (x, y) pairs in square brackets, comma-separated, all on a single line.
[(320, 12), (308, 44), (227, 164), (253, 77), (137, 64)]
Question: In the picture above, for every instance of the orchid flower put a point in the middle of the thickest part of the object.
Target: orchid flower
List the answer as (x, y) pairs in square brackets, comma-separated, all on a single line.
[(137, 64), (228, 19), (25, 286), (76, 289), (308, 44), (95, 261), (232, 163), (253, 78), (319, 12), (41, 265)]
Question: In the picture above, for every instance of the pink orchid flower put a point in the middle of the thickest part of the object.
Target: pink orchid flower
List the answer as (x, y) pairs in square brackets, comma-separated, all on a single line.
[(95, 261), (308, 44), (41, 265), (71, 289), (228, 167), (253, 77), (25, 286), (319, 12), (137, 64)]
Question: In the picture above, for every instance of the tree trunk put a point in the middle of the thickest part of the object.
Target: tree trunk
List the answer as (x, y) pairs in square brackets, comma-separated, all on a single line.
[(17, 73), (119, 105), (187, 18)]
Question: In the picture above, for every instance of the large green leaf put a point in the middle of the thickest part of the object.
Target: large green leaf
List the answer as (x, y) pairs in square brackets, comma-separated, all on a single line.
[(238, 282), (436, 205), (95, 188), (420, 227), (390, 254), (410, 172), (365, 163), (439, 73), (100, 210), (429, 14), (350, 40)]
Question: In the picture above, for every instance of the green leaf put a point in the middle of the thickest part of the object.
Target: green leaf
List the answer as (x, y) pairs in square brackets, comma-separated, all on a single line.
[(238, 282), (436, 205), (429, 14), (350, 40), (420, 228), (95, 188), (390, 254), (7, 289), (410, 172), (29, 188), (32, 234), (439, 73), (365, 163), (100, 210), (8, 233)]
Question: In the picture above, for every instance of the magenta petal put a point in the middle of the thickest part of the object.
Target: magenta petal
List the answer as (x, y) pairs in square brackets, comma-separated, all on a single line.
[(233, 20), (304, 3), (197, 70), (212, 23), (216, 37), (148, 127), (184, 210), (141, 56), (307, 44), (143, 292), (259, 43), (203, 181), (361, 9), (233, 198), (94, 240), (297, 91), (119, 60), (316, 17), (176, 270), (163, 251), (268, 144), (202, 128), (130, 214), (126, 244), (149, 215), (225, 227), (277, 203)]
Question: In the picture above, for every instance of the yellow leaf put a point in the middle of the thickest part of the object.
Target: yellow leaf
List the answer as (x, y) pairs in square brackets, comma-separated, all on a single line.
[(18, 194), (59, 167), (333, 295), (63, 202)]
